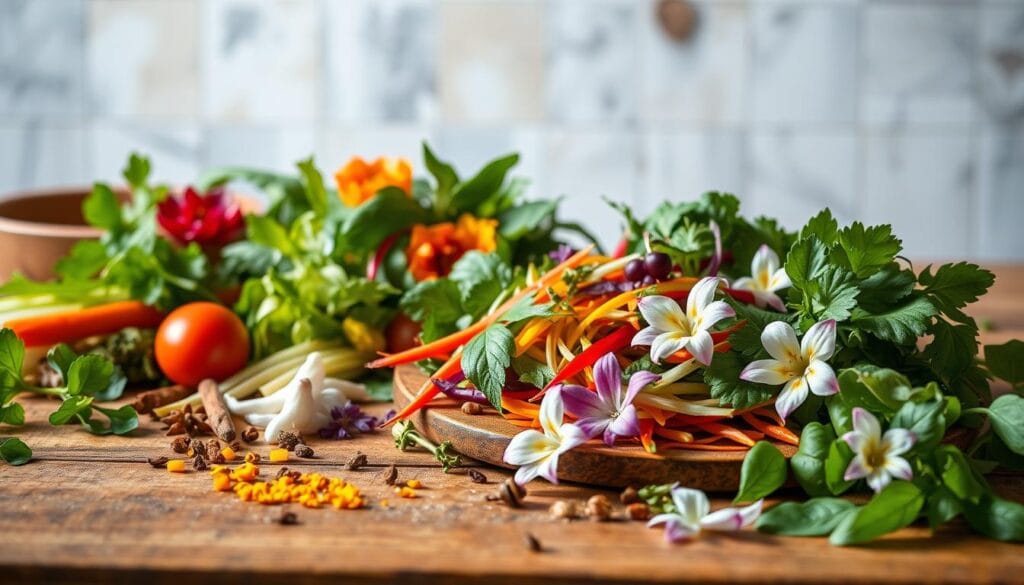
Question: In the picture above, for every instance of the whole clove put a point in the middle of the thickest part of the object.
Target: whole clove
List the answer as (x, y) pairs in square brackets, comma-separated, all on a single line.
[(359, 460), (251, 434), (288, 440), (158, 461), (304, 451), (181, 444), (288, 519), (477, 476), (391, 475), (199, 463), (532, 544)]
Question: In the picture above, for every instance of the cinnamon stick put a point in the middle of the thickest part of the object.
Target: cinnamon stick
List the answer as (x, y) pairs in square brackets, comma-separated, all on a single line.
[(217, 414), (145, 402)]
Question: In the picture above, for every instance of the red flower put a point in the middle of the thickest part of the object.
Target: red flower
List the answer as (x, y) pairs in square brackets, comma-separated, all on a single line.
[(210, 220)]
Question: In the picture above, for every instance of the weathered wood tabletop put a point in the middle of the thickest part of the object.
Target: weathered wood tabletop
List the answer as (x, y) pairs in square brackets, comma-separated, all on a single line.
[(90, 509)]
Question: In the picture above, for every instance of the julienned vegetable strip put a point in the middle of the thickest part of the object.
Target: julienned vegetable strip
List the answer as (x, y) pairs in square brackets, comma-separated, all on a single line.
[(54, 328), (450, 342), (612, 342), (429, 390)]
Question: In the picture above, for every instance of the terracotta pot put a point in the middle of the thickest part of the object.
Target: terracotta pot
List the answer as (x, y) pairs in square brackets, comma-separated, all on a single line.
[(39, 227)]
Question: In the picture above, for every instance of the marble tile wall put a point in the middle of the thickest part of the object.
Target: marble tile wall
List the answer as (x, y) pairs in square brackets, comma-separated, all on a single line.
[(903, 111)]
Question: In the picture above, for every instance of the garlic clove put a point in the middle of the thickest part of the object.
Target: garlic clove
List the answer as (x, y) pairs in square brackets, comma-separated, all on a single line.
[(259, 419), (351, 390), (266, 405), (301, 412)]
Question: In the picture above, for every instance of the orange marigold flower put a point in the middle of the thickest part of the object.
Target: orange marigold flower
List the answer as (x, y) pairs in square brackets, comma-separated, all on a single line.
[(433, 249), (358, 181)]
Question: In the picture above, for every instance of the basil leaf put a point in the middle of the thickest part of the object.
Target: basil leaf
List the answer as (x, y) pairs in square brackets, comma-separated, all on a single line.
[(12, 414), (69, 409), (958, 475), (485, 359), (840, 412), (895, 507), (925, 420), (836, 463), (815, 517), (88, 375), (763, 472), (942, 507), (808, 464), (996, 518), (1006, 414), (874, 389), (14, 451)]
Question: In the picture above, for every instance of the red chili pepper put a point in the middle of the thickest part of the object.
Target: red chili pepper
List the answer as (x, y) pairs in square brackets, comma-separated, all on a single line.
[(647, 435), (621, 248), (613, 342), (378, 257)]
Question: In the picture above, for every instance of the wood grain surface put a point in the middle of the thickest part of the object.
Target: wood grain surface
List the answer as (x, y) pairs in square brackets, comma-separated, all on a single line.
[(91, 510)]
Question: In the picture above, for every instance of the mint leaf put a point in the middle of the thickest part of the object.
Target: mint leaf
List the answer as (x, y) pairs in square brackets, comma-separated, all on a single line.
[(868, 249), (815, 517), (958, 475), (436, 299), (532, 371), (763, 472), (14, 451), (723, 380), (480, 278), (485, 359), (895, 507), (1006, 414), (1006, 361), (808, 463), (902, 324), (526, 309), (823, 226), (926, 420)]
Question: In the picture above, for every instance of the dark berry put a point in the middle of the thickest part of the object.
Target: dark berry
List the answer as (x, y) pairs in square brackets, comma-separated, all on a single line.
[(648, 280), (635, 270), (658, 265)]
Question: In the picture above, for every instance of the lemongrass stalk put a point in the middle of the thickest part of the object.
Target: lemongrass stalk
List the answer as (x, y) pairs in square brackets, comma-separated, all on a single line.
[(609, 267), (681, 389), (673, 404), (342, 364), (677, 373)]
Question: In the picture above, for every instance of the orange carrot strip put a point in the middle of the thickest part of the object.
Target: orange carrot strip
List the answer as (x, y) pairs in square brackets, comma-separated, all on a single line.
[(774, 431), (728, 432), (450, 342), (520, 407), (658, 415), (704, 447), (54, 328), (680, 436), (770, 413), (429, 390), (526, 424)]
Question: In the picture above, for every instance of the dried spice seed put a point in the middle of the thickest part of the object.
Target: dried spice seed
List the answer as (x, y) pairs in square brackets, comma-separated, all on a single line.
[(471, 408), (158, 461), (199, 463), (237, 446), (638, 511), (212, 446), (218, 458), (250, 434), (511, 493), (199, 449), (304, 451), (564, 509), (177, 428), (288, 440), (252, 457), (532, 544), (391, 475), (281, 472), (629, 496), (288, 519), (476, 476), (181, 444), (599, 507), (359, 460)]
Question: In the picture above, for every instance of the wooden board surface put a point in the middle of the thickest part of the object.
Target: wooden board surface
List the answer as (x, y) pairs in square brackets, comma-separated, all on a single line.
[(485, 437), (90, 510)]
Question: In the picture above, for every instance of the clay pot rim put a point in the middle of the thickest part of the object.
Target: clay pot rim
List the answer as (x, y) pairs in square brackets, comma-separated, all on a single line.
[(37, 228)]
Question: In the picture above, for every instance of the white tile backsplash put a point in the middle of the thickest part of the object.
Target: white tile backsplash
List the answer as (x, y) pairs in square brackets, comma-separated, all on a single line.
[(902, 111)]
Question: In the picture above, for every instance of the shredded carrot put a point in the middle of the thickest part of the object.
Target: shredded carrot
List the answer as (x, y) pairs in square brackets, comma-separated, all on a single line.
[(704, 447), (647, 435), (680, 436), (526, 424), (429, 390), (774, 431), (728, 432), (53, 328), (520, 407)]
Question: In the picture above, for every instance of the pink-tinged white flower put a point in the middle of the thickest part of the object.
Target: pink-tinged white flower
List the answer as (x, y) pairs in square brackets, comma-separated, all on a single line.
[(801, 366), (877, 456), (609, 411), (766, 279), (693, 514), (537, 453), (671, 330)]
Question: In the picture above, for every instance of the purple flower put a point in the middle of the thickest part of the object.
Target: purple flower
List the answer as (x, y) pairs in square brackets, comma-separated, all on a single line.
[(561, 253), (607, 411), (349, 420)]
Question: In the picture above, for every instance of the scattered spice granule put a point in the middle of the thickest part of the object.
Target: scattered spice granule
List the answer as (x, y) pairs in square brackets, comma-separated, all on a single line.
[(532, 544), (311, 490), (391, 475), (414, 484), (288, 519), (288, 440), (181, 444), (228, 453), (385, 503), (252, 457), (304, 451), (279, 455), (176, 466), (356, 462), (250, 434), (406, 492), (158, 461), (199, 463)]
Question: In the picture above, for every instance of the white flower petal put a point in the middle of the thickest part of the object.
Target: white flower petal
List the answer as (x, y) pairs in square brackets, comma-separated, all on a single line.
[(726, 519), (667, 344), (744, 283), (714, 313), (819, 342), (866, 424), (570, 436), (878, 480), (692, 505), (701, 295), (793, 394), (856, 469), (899, 468), (702, 347), (821, 378), (548, 469), (769, 299), (529, 446), (662, 313), (526, 473), (779, 280), (551, 412), (772, 372), (751, 513), (855, 440), (779, 340), (898, 441), (645, 336)]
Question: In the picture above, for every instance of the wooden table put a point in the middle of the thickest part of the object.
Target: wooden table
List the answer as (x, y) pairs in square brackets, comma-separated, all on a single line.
[(90, 509)]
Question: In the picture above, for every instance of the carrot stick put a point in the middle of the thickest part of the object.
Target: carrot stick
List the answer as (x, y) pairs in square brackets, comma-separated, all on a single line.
[(429, 390), (728, 432), (704, 447), (520, 407), (54, 328), (448, 343), (774, 431), (680, 436), (526, 424)]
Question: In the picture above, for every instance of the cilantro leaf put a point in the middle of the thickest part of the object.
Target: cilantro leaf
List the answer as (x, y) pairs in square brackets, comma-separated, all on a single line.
[(823, 226), (885, 287), (869, 248), (480, 278), (485, 360), (834, 295), (954, 286), (724, 383), (953, 348), (1006, 361), (805, 261), (902, 324)]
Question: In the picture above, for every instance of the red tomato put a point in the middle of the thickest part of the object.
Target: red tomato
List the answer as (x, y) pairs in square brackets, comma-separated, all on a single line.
[(402, 333), (201, 340)]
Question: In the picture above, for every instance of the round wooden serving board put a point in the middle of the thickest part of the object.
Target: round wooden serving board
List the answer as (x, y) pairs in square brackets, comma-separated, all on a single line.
[(485, 436)]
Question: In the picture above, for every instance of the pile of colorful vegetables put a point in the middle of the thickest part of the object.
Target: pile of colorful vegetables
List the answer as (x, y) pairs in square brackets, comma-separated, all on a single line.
[(712, 331)]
